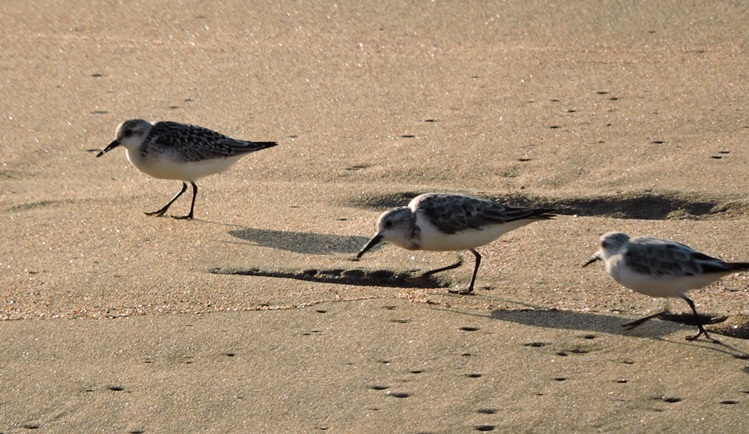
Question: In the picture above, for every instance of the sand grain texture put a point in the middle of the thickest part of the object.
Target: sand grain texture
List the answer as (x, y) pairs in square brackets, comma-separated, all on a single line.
[(253, 317)]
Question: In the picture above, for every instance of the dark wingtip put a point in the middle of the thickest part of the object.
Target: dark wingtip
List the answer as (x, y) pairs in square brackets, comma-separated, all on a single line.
[(739, 266), (545, 213), (713, 265)]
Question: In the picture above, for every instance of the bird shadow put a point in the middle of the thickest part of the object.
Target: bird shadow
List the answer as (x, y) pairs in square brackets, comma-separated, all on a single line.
[(570, 320), (340, 276), (608, 324), (301, 242), (641, 205)]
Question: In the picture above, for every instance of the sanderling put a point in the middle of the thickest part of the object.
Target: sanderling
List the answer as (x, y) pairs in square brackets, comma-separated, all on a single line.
[(661, 268), (450, 222), (170, 150)]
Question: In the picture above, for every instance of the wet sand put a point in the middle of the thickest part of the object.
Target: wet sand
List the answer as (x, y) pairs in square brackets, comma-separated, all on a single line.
[(254, 316)]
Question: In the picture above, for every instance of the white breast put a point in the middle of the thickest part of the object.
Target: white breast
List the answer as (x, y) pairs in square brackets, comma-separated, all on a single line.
[(163, 167)]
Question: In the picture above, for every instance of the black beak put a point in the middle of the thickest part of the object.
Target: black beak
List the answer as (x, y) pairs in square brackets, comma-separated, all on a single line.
[(373, 242), (592, 259), (109, 148)]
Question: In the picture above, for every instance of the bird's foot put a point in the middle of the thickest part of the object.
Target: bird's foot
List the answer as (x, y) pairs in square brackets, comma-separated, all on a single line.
[(701, 332), (158, 213)]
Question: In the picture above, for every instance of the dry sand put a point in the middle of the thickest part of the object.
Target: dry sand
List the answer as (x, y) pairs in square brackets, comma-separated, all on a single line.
[(624, 116)]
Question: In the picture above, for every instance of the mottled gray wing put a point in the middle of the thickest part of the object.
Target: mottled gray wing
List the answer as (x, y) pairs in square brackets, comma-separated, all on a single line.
[(203, 144), (663, 258), (454, 213)]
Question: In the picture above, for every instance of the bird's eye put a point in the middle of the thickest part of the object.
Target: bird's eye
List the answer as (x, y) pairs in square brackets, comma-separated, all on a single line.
[(388, 224), (604, 244), (127, 132)]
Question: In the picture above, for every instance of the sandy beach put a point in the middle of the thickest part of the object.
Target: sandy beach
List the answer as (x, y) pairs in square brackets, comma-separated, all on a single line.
[(255, 317)]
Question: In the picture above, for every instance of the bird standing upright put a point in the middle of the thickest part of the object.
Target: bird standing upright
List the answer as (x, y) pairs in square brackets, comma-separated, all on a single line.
[(170, 150)]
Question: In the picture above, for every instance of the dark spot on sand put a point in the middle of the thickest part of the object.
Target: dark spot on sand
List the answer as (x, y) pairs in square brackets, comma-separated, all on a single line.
[(669, 399), (535, 344)]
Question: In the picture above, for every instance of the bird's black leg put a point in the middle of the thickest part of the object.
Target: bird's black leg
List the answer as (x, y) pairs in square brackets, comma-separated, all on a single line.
[(161, 212), (475, 270), (437, 270), (441, 269), (632, 324), (702, 330), (192, 205)]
